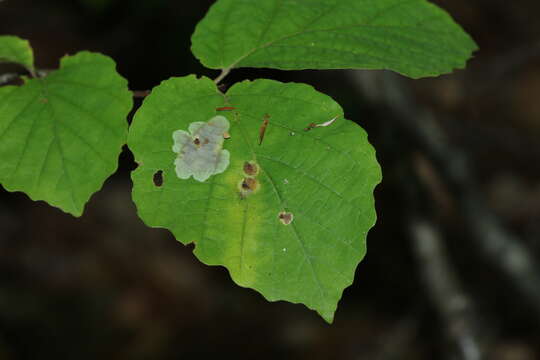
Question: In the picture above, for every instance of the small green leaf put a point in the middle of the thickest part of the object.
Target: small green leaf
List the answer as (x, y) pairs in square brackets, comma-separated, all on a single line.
[(16, 50), (289, 216), (412, 37), (60, 136)]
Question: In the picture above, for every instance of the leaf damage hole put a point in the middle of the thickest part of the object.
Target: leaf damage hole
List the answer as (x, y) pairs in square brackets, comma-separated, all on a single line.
[(286, 218), (158, 178)]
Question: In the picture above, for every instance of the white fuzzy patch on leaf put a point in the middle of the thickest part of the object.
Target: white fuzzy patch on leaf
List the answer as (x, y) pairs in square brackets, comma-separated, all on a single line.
[(200, 151)]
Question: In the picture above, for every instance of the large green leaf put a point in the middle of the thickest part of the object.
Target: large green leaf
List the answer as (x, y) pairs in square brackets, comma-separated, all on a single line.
[(16, 50), (412, 37), (324, 176), (60, 136)]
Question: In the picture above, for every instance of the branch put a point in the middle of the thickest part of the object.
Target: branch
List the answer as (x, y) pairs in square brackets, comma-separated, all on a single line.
[(224, 73), (451, 302)]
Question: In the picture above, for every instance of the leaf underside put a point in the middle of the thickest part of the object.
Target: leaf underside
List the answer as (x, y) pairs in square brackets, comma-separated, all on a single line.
[(322, 179), (61, 135), (412, 37)]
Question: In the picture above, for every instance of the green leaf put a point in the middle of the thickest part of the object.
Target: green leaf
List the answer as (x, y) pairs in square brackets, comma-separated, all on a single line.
[(320, 181), (411, 37), (16, 50), (60, 136)]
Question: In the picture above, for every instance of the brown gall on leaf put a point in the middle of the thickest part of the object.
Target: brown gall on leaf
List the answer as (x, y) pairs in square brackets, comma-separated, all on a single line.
[(286, 217), (249, 184), (251, 168), (158, 178), (262, 129), (247, 187)]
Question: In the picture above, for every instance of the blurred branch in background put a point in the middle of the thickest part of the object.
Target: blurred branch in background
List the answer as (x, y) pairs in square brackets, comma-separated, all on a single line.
[(501, 247), (444, 290), (465, 339)]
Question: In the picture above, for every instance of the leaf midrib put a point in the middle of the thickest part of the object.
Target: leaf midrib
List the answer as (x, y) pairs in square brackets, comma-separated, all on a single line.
[(283, 203)]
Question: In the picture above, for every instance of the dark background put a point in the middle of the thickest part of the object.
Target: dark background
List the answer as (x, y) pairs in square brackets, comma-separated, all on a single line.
[(106, 286)]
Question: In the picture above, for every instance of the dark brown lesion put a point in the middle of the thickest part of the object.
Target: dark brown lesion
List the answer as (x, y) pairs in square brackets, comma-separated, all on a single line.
[(285, 217)]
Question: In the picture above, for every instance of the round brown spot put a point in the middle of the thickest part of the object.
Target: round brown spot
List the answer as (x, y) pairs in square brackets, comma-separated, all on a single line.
[(251, 168), (285, 217)]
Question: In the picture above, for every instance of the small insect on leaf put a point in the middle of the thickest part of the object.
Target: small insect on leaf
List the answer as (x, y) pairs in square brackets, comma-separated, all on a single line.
[(324, 124), (329, 122), (262, 129)]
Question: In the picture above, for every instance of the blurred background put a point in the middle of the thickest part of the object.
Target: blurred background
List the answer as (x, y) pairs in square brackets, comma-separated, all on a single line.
[(452, 268)]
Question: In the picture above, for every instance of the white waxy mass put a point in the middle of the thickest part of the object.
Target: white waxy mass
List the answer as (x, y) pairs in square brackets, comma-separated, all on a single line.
[(200, 151)]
